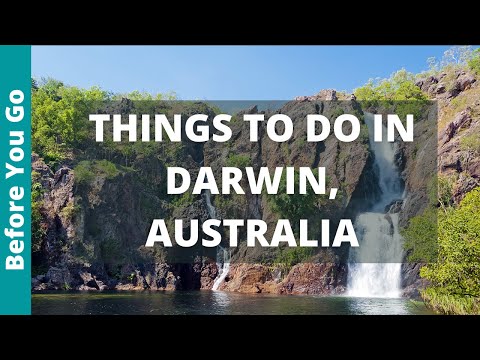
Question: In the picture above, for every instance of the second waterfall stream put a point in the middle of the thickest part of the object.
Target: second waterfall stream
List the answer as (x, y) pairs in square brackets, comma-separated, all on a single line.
[(223, 256), (374, 268)]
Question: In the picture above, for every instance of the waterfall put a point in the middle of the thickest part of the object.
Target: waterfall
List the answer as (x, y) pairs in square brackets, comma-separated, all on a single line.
[(224, 267), (374, 268), (223, 256)]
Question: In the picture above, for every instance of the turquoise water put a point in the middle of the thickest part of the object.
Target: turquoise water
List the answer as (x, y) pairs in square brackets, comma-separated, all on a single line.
[(216, 303)]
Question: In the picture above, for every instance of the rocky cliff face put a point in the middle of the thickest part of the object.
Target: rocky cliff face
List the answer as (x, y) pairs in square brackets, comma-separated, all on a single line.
[(93, 235), (458, 96), (348, 168), (92, 232), (96, 209), (458, 151)]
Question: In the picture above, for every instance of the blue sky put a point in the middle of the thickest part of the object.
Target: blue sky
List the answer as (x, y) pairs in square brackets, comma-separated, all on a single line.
[(227, 72)]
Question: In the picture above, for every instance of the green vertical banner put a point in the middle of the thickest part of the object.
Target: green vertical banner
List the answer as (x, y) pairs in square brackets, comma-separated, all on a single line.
[(15, 206)]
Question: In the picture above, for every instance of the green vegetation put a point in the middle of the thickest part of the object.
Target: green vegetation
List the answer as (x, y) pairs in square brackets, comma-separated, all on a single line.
[(66, 286), (60, 117), (453, 58), (474, 62), (83, 172), (400, 86), (447, 239), (112, 252), (86, 171), (144, 96), (454, 276), (70, 210), (297, 206), (184, 199), (364, 137), (445, 185), (288, 257), (38, 231), (301, 142), (238, 160), (421, 237), (398, 91), (446, 236), (471, 143)]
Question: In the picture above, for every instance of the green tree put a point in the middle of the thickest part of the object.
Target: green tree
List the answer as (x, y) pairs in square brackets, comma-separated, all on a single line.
[(454, 277), (397, 93), (474, 62), (421, 237), (60, 117)]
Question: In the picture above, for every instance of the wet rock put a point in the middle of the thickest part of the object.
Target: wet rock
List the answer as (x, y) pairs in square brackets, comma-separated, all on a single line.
[(60, 278), (125, 287), (34, 283), (209, 273), (249, 278), (84, 287), (314, 278), (411, 282), (394, 207), (101, 285), (391, 228), (139, 281), (41, 287), (399, 159), (88, 280)]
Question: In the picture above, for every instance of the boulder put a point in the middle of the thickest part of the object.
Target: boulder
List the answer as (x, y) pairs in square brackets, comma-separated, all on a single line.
[(315, 278), (249, 278), (440, 88), (462, 120), (60, 278), (88, 280), (34, 283), (412, 283), (84, 287), (465, 81), (209, 273)]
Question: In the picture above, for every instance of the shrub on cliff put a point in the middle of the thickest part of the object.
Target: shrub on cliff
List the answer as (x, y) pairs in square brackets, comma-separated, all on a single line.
[(471, 143), (60, 117), (86, 171), (398, 91)]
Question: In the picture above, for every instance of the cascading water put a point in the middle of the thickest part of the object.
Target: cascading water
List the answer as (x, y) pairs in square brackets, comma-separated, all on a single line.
[(224, 267), (223, 256), (374, 268)]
